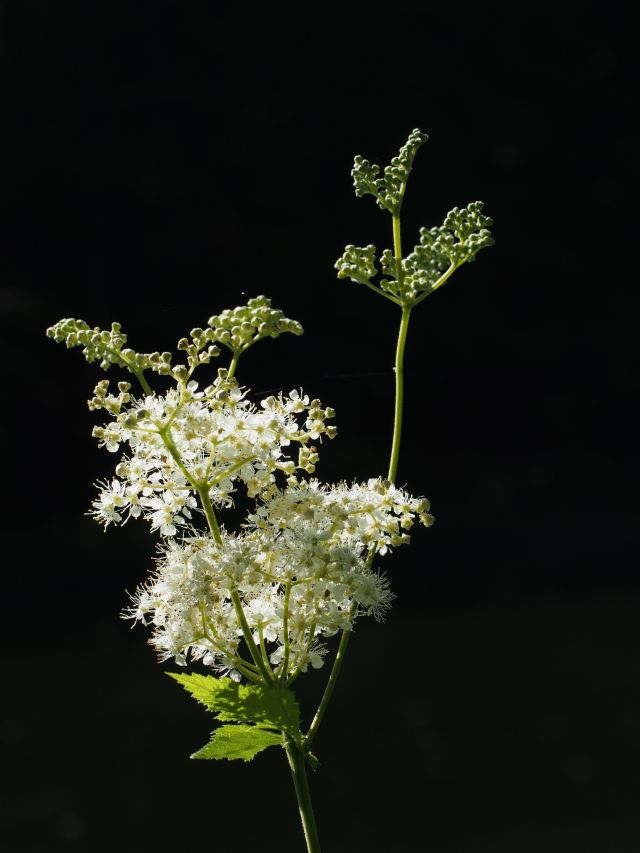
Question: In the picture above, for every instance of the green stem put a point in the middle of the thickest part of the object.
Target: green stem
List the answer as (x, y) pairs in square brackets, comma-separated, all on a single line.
[(227, 471), (263, 650), (285, 631), (237, 604), (399, 371), (203, 494), (233, 365), (301, 785), (445, 275), (381, 292), (139, 374), (402, 339), (331, 683), (165, 433), (246, 633), (143, 381), (397, 246), (247, 669)]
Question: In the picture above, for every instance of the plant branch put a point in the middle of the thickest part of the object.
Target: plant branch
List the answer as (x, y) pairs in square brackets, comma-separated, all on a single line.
[(331, 683)]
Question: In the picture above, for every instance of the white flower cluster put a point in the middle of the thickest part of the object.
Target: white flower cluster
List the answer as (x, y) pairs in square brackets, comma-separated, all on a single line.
[(301, 571), (190, 441)]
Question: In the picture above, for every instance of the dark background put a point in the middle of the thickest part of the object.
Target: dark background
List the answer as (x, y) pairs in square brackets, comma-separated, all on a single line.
[(164, 160)]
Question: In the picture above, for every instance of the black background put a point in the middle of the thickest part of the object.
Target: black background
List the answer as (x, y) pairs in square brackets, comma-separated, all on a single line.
[(164, 160)]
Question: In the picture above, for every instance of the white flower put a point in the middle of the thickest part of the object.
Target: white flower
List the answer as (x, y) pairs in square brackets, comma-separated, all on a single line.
[(111, 499), (208, 439), (301, 568)]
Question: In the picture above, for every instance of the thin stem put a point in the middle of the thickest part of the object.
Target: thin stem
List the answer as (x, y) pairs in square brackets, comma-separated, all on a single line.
[(263, 649), (445, 275), (230, 470), (247, 669), (285, 630), (202, 491), (143, 381), (399, 371), (203, 494), (165, 433), (234, 364), (139, 374), (402, 338), (301, 785), (381, 292), (331, 683), (246, 633), (397, 247)]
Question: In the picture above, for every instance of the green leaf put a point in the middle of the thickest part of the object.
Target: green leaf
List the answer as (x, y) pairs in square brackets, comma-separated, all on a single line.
[(238, 742), (271, 707)]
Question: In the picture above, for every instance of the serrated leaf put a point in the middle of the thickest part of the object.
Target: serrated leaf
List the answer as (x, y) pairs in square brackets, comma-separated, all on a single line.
[(273, 707), (238, 741)]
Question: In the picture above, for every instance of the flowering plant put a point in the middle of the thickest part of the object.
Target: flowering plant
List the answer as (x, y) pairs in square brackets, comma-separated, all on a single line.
[(256, 605)]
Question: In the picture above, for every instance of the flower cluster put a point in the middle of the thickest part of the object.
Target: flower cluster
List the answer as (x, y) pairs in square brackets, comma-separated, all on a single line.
[(442, 249), (190, 441), (106, 347), (389, 189), (239, 328), (301, 569)]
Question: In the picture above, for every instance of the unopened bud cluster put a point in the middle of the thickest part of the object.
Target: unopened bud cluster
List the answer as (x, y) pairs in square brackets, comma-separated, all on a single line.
[(239, 328), (388, 190), (441, 250)]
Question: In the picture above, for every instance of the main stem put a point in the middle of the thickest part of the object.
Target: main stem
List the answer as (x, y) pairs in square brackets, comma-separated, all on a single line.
[(402, 340), (399, 371), (301, 785)]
